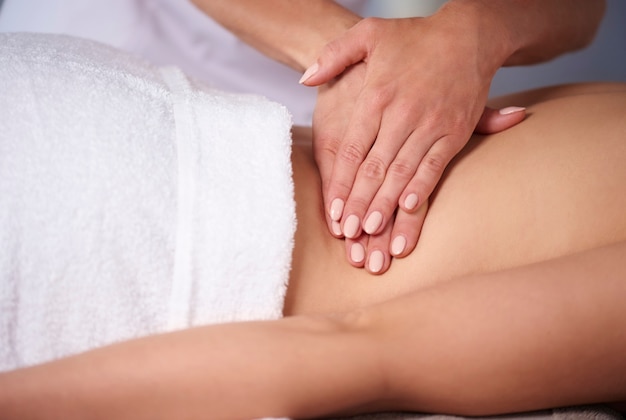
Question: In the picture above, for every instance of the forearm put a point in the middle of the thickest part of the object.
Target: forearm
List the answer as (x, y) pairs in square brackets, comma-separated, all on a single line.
[(530, 31), (545, 335), (290, 31), (292, 367)]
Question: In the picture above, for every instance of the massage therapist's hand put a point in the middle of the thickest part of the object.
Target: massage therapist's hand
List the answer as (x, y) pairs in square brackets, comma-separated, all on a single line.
[(386, 128)]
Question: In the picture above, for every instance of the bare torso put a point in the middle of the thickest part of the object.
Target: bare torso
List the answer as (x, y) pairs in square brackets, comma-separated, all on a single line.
[(553, 185)]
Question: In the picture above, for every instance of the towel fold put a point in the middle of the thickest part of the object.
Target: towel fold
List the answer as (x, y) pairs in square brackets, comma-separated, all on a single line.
[(132, 200)]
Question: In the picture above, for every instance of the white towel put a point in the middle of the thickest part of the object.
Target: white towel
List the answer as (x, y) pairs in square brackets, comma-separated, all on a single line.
[(132, 201)]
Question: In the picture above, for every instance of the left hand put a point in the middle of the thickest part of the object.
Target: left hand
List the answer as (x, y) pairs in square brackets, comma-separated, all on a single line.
[(386, 128)]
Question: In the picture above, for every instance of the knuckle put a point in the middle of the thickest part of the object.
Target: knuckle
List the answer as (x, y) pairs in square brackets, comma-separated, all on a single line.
[(358, 204), (402, 169), (379, 96), (387, 204), (434, 163), (331, 50), (373, 169), (342, 185), (326, 146), (351, 154), (370, 25)]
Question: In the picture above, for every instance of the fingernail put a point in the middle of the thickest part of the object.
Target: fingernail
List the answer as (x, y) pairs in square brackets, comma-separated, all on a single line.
[(309, 72), (411, 201), (511, 110), (398, 245), (376, 261), (373, 222), (336, 209), (357, 253), (336, 227), (351, 226)]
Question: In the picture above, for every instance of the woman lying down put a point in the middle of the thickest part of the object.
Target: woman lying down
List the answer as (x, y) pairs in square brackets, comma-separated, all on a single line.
[(151, 265)]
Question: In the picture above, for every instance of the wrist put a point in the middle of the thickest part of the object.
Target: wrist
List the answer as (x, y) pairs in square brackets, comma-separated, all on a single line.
[(486, 22), (292, 32), (306, 52)]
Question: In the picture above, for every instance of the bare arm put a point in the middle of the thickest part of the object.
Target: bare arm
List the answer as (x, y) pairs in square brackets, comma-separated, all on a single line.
[(294, 31), (539, 336), (545, 335), (235, 371), (290, 31), (533, 30), (564, 27)]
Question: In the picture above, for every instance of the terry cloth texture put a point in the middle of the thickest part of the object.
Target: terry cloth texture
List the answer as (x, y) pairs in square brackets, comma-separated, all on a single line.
[(132, 200)]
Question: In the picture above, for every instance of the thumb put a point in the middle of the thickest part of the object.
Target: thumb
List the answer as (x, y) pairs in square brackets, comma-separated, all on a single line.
[(336, 56), (496, 120)]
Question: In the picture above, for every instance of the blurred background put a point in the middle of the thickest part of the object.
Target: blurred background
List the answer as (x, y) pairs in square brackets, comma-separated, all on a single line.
[(604, 60)]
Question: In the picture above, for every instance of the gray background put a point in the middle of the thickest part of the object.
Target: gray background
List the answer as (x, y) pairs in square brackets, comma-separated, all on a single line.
[(604, 60)]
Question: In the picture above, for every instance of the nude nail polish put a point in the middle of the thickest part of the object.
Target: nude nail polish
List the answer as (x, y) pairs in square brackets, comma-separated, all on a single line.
[(351, 226), (336, 227), (336, 209), (373, 222), (398, 245), (376, 261), (309, 72), (511, 110), (357, 253), (411, 201)]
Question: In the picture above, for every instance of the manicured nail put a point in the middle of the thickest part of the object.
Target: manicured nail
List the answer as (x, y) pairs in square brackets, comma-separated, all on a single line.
[(357, 253), (309, 72), (398, 245), (336, 209), (411, 201), (511, 110), (373, 222), (336, 227), (351, 226), (377, 259)]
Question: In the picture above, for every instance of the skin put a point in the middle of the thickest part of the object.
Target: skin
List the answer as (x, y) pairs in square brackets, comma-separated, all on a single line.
[(385, 130), (485, 232), (511, 302)]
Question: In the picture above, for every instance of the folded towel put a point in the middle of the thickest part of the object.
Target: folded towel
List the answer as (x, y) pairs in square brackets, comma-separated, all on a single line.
[(132, 200)]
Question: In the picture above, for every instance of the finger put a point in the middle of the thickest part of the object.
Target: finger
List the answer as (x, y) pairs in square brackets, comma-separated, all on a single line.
[(330, 122), (428, 173), (406, 231), (378, 257), (398, 175), (356, 250), (354, 147), (327, 143), (374, 172), (496, 120)]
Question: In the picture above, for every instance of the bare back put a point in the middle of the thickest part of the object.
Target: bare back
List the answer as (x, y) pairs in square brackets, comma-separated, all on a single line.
[(551, 186)]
